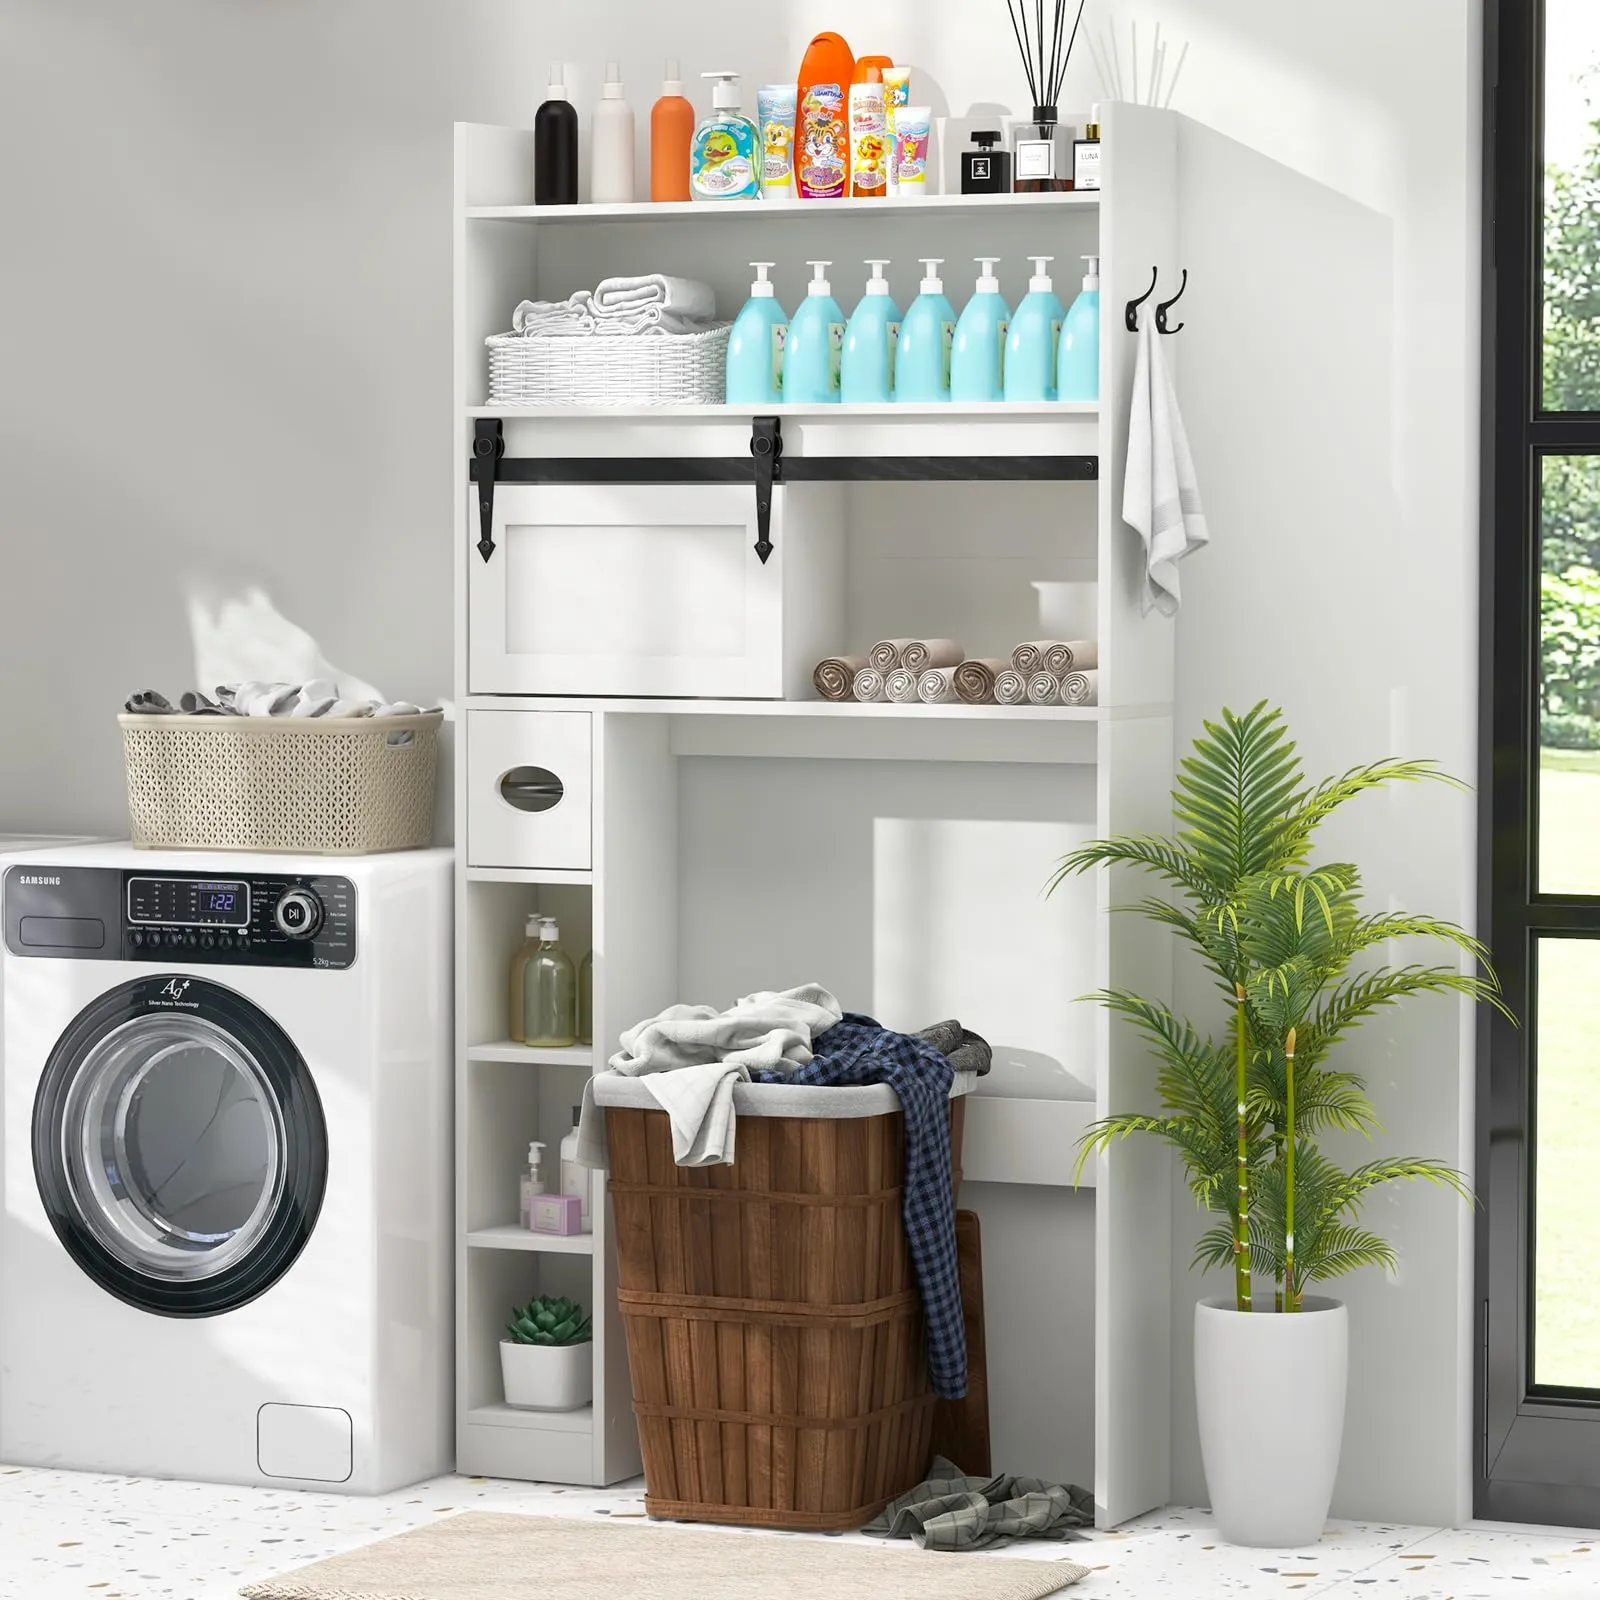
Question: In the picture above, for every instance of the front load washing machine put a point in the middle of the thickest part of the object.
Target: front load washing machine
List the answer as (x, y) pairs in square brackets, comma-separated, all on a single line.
[(226, 1250)]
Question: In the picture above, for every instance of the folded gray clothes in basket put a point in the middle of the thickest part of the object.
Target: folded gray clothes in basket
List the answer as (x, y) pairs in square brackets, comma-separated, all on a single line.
[(318, 698)]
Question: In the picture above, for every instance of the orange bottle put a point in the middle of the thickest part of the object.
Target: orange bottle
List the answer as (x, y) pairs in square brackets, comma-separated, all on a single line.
[(869, 133), (822, 119), (870, 69), (672, 122)]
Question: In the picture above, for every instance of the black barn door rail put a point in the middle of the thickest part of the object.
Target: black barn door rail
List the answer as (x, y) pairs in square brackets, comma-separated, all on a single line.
[(766, 467)]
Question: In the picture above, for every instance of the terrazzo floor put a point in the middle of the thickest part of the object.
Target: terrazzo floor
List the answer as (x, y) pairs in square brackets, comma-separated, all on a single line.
[(90, 1537)]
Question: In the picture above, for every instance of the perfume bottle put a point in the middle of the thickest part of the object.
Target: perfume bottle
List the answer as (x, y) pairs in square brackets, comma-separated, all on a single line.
[(1086, 154), (986, 170)]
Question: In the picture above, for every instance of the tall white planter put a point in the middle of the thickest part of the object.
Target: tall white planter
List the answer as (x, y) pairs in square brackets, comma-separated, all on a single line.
[(1270, 1390)]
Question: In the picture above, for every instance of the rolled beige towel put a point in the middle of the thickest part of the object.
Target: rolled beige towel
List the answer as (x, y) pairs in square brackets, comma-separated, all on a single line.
[(921, 654), (885, 654), (1044, 689), (868, 685), (1081, 688), (936, 687), (1029, 658), (1076, 655), (974, 680), (835, 678), (901, 686), (1010, 687)]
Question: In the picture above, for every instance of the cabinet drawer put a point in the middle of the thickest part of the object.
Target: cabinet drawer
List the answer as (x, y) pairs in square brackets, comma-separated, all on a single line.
[(529, 789)]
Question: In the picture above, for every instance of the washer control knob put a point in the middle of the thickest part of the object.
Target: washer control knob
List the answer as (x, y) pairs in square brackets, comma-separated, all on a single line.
[(298, 913)]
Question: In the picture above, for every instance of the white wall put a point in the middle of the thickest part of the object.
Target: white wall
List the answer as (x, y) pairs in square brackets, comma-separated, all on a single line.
[(228, 238)]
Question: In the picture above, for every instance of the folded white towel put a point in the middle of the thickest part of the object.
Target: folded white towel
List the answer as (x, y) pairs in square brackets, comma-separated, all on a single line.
[(867, 686), (1010, 687), (935, 687), (901, 686), (651, 321), (1160, 498), (1081, 688), (1044, 689), (623, 297), (574, 315)]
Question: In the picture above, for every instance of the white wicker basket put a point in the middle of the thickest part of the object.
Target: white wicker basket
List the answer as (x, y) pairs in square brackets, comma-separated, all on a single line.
[(669, 369), (311, 785)]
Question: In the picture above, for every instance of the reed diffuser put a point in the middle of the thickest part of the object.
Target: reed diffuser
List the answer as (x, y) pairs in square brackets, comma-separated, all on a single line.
[(1046, 48)]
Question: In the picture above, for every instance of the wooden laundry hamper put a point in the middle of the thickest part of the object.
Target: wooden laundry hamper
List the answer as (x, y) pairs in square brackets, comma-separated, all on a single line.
[(776, 1337)]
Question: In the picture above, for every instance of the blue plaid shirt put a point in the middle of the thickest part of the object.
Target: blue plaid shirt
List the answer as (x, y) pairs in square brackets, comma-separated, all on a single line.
[(857, 1050)]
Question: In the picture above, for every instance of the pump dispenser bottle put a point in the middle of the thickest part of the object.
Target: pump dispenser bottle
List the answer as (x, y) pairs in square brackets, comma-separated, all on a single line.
[(815, 346), (977, 363), (867, 366), (922, 362), (1030, 370), (672, 122), (532, 1184), (1078, 361), (575, 1177), (755, 345), (550, 993), (611, 176), (725, 158), (555, 146)]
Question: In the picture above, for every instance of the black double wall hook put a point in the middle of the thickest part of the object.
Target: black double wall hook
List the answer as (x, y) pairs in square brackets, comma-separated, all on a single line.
[(1131, 313)]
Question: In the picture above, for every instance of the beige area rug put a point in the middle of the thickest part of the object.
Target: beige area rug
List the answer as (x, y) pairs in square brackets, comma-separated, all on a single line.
[(500, 1556)]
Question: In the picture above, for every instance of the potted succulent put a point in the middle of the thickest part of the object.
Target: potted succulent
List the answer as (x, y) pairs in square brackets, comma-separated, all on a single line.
[(545, 1356), (1298, 965)]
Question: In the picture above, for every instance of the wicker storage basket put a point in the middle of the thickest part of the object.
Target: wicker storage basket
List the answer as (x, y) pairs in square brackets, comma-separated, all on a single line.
[(775, 1329), (312, 785), (666, 370)]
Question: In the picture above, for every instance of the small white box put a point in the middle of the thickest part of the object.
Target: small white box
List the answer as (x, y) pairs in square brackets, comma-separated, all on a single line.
[(530, 789)]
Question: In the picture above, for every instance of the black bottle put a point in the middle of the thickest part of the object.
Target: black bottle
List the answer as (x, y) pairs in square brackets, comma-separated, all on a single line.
[(986, 170), (555, 147)]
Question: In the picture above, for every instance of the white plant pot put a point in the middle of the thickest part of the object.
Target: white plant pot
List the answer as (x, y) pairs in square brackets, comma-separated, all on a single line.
[(548, 1377), (1270, 1391)]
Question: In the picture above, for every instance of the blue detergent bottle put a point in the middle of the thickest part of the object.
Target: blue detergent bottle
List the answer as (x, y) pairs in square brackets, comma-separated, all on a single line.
[(867, 371), (814, 350), (977, 363), (755, 345), (922, 362), (1031, 344), (1078, 362)]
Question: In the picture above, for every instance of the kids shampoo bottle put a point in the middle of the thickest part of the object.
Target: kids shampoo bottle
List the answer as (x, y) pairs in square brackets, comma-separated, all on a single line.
[(822, 120)]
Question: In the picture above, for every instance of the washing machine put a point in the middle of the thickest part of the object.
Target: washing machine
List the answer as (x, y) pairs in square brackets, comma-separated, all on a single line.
[(226, 1251)]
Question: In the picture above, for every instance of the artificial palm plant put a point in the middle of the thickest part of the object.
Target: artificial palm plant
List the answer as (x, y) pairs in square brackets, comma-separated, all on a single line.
[(1288, 945)]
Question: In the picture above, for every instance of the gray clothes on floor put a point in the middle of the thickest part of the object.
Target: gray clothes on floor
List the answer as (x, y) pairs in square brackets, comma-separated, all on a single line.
[(951, 1512)]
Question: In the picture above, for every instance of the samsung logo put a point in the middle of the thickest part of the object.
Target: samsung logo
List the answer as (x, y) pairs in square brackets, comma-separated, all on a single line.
[(36, 878)]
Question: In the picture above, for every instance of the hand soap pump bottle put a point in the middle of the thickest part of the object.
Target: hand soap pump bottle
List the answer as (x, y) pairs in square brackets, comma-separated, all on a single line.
[(574, 1175), (555, 146), (532, 1184), (550, 993), (1030, 372), (813, 352), (922, 363), (1078, 361), (977, 363), (755, 345), (725, 158), (867, 366)]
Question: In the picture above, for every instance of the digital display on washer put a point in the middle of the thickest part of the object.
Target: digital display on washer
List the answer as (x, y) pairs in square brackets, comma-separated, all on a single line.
[(189, 903)]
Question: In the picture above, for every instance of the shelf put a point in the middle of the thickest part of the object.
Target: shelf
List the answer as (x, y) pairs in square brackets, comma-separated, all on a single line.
[(820, 710), (546, 875), (775, 211), (1025, 1141), (504, 1416), (511, 1237), (578, 1055), (991, 409)]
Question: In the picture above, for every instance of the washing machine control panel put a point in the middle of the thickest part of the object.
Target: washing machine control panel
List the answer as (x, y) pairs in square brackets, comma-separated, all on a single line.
[(196, 918)]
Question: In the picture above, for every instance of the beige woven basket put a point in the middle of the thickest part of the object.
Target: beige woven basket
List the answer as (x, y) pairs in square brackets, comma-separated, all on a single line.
[(311, 785)]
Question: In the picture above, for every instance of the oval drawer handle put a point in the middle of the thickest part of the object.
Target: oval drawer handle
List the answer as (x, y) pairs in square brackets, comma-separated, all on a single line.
[(531, 788)]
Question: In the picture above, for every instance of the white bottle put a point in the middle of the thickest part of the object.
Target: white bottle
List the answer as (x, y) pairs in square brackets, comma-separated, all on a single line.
[(574, 1175), (532, 1184), (611, 179)]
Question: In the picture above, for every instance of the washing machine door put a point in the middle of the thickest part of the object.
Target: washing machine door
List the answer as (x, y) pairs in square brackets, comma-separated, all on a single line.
[(179, 1146)]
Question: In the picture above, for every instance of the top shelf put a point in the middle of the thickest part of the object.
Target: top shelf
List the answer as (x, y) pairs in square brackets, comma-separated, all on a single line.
[(749, 210)]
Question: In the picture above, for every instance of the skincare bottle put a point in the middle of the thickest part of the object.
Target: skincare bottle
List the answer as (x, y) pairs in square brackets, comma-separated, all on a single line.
[(725, 158), (1086, 154), (977, 363), (814, 350), (922, 363), (611, 174), (869, 139), (867, 366), (550, 993), (896, 97), (986, 170), (1078, 361), (672, 122), (1030, 371), (775, 113), (574, 1175), (532, 1184), (755, 345), (555, 146), (586, 998), (519, 970)]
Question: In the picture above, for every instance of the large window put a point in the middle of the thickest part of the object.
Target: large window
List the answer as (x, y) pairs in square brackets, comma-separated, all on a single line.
[(1539, 1102)]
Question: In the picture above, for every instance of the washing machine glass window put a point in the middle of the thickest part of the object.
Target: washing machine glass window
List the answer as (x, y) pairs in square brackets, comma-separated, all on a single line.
[(179, 1146)]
